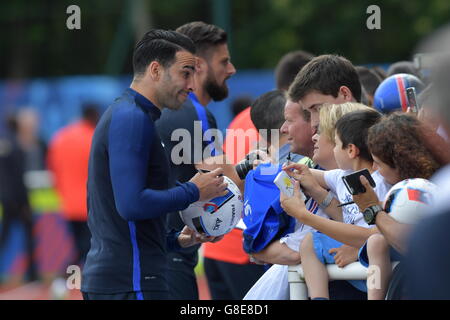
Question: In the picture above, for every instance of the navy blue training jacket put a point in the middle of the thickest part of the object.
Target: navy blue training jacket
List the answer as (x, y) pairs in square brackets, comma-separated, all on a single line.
[(130, 191)]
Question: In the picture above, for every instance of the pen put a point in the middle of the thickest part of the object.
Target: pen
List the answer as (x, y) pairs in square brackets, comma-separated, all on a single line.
[(206, 171), (346, 204)]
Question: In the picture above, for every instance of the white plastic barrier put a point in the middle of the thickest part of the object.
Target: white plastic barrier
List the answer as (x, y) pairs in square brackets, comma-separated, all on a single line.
[(297, 285)]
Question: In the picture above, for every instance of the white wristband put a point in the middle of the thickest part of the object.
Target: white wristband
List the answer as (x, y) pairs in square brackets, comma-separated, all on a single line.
[(327, 201)]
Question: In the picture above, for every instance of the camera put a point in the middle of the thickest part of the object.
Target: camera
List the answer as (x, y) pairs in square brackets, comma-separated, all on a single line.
[(244, 167)]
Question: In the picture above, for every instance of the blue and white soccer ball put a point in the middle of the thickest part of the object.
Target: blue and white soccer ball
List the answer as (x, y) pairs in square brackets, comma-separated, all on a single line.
[(409, 200), (217, 216)]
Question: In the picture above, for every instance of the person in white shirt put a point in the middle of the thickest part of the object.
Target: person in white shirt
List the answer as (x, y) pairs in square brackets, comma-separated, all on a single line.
[(274, 283), (390, 142), (351, 154)]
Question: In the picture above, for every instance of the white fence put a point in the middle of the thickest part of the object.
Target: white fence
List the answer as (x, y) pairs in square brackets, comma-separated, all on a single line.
[(297, 285)]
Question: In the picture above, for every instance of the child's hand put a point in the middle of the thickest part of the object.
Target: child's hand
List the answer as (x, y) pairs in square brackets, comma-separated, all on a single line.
[(344, 255), (302, 173), (259, 156), (189, 237), (294, 206)]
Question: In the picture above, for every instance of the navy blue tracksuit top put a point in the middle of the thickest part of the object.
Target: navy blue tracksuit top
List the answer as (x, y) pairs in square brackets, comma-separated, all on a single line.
[(129, 194)]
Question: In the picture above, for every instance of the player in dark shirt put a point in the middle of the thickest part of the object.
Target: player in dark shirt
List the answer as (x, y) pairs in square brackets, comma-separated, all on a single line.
[(14, 194), (213, 68), (186, 119), (130, 189)]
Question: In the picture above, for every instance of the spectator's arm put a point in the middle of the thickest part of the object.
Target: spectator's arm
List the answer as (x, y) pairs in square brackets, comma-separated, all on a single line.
[(349, 234), (396, 233), (278, 253), (333, 211)]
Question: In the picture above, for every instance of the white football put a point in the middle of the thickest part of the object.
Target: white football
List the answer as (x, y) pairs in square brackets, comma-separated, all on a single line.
[(409, 200), (217, 216)]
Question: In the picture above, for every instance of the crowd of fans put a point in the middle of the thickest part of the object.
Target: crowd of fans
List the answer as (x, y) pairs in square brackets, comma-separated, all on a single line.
[(332, 119)]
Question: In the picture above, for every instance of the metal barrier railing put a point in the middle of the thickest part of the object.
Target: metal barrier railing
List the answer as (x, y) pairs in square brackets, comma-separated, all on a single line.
[(296, 279)]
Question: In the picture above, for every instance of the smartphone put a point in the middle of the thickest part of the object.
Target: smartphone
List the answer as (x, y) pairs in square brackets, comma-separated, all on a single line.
[(412, 101), (354, 185)]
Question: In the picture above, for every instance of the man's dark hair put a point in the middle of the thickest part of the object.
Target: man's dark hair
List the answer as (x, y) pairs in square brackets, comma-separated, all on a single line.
[(267, 111), (204, 36), (11, 123), (240, 103), (159, 45), (369, 79), (288, 67), (404, 67), (326, 74), (353, 128), (380, 72), (90, 112), (305, 114)]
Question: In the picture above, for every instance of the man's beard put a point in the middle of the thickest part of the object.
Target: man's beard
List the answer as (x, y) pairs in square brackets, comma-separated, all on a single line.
[(216, 92), (171, 102), (167, 100)]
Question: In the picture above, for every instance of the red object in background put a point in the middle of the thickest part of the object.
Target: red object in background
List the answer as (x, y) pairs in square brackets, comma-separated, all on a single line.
[(239, 148), (230, 249), (54, 247), (54, 244), (68, 157)]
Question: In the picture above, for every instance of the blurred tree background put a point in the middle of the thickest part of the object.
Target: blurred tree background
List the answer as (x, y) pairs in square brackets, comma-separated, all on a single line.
[(36, 42)]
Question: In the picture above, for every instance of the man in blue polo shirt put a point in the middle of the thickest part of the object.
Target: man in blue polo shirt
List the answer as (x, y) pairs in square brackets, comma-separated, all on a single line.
[(130, 188)]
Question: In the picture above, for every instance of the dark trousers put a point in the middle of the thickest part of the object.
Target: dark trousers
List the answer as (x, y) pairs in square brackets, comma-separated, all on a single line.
[(229, 281), (20, 212), (181, 278), (343, 290), (143, 295)]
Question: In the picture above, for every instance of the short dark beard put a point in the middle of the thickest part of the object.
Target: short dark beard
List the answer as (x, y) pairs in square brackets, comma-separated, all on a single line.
[(166, 100), (216, 92)]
